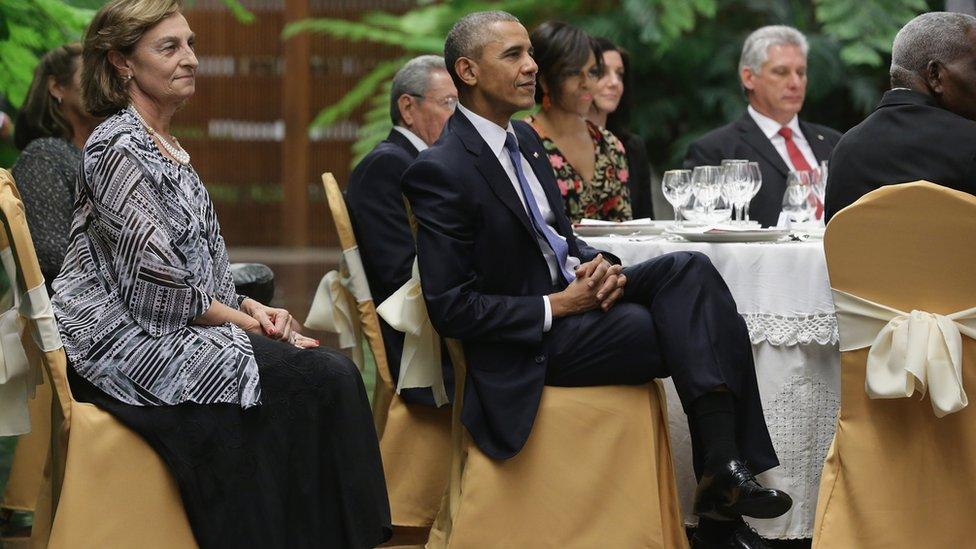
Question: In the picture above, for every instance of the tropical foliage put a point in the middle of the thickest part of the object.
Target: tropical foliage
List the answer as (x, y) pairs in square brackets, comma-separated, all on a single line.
[(684, 56)]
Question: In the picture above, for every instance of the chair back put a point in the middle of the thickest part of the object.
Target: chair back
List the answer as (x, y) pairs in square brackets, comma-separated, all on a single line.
[(368, 319), (909, 247)]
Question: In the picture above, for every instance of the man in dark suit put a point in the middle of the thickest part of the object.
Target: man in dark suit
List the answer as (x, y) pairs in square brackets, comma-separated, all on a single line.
[(422, 98), (533, 305), (773, 72), (924, 128)]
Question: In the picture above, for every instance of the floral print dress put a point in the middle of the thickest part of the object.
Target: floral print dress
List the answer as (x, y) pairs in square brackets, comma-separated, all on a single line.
[(606, 196)]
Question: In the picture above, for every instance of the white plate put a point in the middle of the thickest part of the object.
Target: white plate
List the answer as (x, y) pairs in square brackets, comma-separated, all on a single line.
[(623, 229), (758, 235)]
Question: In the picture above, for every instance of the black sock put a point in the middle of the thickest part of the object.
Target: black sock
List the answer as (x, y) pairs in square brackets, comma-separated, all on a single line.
[(713, 421), (716, 531)]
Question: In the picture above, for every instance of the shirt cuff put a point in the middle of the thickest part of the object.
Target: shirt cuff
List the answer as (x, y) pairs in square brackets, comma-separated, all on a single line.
[(547, 323)]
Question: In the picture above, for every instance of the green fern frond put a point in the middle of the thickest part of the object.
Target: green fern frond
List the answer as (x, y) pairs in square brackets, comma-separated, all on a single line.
[(356, 96)]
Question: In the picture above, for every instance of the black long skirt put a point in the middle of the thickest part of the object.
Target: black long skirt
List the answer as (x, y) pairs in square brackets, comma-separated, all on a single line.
[(303, 469)]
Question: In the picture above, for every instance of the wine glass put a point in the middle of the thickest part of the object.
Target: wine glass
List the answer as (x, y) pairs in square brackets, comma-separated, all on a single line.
[(676, 185), (755, 174), (737, 184), (797, 203), (706, 183)]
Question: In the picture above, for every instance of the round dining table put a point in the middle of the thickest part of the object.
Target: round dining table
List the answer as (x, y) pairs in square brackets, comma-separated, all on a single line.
[(782, 291)]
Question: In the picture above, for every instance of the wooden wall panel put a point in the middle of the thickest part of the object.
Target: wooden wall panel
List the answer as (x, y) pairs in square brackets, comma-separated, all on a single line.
[(235, 126)]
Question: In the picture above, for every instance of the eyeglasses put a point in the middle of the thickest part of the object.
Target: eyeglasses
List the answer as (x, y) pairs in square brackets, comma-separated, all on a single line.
[(450, 102)]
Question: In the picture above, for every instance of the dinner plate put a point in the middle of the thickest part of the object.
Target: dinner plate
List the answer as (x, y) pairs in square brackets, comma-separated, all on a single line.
[(757, 235), (623, 229)]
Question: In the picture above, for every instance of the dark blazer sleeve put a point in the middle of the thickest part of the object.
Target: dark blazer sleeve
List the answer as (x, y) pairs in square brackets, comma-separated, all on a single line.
[(640, 177), (380, 219), (446, 246)]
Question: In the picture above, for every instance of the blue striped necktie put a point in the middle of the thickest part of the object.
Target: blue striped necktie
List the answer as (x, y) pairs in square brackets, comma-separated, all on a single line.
[(558, 245)]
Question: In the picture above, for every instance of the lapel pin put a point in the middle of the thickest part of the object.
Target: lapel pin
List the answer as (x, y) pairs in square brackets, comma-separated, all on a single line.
[(820, 137), (536, 155)]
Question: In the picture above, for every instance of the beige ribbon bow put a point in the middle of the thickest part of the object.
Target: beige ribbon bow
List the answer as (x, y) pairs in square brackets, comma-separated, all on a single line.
[(909, 351), (334, 310), (420, 363)]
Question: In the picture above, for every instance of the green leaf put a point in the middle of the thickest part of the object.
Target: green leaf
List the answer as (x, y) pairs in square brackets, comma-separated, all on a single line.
[(356, 96)]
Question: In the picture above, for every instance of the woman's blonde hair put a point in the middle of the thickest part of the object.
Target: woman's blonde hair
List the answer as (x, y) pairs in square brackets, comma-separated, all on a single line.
[(118, 26)]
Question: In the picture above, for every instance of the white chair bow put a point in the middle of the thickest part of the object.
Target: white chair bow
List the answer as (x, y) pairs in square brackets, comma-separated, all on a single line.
[(420, 363), (18, 379), (334, 310), (909, 351)]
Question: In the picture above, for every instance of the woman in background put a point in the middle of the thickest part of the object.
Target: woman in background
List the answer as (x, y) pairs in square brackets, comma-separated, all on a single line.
[(611, 110), (589, 162), (52, 127)]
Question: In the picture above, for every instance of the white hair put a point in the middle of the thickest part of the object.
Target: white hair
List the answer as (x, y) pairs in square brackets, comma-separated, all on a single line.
[(755, 50), (936, 36), (413, 79)]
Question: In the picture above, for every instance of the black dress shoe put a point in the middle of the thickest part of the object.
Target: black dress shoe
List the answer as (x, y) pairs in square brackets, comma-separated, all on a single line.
[(743, 537), (730, 491)]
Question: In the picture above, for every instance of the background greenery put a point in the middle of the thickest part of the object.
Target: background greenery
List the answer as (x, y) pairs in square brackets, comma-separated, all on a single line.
[(684, 55)]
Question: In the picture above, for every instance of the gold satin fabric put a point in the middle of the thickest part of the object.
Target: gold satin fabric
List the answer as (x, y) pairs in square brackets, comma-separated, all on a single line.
[(896, 475), (103, 485), (414, 439), (596, 471), (27, 469)]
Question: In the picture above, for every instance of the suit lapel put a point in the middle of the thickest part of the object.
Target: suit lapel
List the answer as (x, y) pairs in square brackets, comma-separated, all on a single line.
[(539, 161), (756, 139), (490, 168), (818, 143)]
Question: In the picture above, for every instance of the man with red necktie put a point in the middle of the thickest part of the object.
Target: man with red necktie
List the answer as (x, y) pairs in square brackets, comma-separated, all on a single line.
[(773, 72)]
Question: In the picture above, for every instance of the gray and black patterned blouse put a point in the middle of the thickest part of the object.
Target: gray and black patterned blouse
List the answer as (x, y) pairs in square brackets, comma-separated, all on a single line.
[(45, 174), (145, 256)]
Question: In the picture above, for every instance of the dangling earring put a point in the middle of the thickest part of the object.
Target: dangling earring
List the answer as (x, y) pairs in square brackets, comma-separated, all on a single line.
[(126, 78), (546, 103), (58, 99)]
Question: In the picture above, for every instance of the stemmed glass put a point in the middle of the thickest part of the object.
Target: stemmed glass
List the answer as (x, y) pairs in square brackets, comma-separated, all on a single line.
[(737, 184), (797, 203), (819, 184), (706, 183), (755, 175), (676, 185)]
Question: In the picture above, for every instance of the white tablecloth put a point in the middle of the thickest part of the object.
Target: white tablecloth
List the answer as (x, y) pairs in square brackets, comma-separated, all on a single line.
[(783, 293)]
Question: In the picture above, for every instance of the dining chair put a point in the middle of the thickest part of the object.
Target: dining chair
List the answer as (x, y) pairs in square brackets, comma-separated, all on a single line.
[(103, 485), (897, 474), (414, 438)]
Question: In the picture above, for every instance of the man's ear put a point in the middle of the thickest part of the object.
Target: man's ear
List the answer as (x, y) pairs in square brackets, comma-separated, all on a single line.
[(405, 103), (467, 70), (934, 73), (747, 78), (119, 62)]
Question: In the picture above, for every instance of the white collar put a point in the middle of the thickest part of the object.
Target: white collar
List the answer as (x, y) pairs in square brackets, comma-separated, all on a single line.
[(770, 127), (492, 133), (417, 142)]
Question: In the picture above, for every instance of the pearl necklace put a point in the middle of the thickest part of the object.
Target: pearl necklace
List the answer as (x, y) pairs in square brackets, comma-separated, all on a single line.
[(176, 151)]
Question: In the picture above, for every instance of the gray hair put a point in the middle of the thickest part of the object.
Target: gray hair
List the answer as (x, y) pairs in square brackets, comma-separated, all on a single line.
[(413, 79), (936, 36), (468, 37), (755, 50)]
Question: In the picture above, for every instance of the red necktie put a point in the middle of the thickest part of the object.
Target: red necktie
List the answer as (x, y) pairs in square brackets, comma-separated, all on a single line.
[(799, 161)]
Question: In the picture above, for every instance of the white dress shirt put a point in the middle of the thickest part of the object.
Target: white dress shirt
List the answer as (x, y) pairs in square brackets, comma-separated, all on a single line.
[(412, 138), (770, 129), (494, 135)]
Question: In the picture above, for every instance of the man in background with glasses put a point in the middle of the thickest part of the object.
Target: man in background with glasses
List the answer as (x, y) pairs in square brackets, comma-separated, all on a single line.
[(422, 98), (773, 73)]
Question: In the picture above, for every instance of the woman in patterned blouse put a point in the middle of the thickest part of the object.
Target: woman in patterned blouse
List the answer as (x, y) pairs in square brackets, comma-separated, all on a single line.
[(270, 439), (589, 162)]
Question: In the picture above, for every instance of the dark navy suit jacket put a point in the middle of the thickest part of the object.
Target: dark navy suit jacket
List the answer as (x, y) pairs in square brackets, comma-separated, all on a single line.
[(484, 276), (379, 219), (744, 139)]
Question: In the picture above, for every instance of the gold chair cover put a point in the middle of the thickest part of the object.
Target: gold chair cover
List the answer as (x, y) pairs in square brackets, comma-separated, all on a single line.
[(111, 489), (414, 439), (896, 475), (596, 471), (27, 469)]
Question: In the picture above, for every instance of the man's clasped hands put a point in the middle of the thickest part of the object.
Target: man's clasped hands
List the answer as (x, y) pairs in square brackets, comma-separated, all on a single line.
[(598, 284)]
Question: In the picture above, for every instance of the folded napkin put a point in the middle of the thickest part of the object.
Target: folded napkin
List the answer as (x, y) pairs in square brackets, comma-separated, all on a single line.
[(640, 221), (909, 351), (723, 228)]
